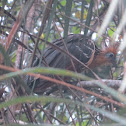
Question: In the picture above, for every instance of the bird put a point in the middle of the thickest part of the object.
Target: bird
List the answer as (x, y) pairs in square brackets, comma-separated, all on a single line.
[(74, 53)]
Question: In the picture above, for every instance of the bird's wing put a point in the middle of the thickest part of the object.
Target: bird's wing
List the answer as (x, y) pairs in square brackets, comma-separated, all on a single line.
[(79, 47), (76, 45)]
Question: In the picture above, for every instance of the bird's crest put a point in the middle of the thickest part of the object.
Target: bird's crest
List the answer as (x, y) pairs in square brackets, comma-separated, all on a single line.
[(113, 48)]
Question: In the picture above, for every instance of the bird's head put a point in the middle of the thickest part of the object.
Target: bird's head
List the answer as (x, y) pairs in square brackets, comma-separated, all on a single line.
[(105, 57), (109, 55)]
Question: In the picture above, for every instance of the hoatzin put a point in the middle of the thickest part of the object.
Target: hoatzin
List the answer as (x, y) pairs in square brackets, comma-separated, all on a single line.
[(66, 56)]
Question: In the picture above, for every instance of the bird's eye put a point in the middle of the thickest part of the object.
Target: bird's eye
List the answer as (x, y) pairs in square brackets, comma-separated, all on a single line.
[(110, 55)]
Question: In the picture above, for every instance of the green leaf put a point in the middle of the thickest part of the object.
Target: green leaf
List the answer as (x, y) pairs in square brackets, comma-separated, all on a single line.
[(88, 1), (75, 30), (111, 32), (112, 116), (61, 72), (63, 2)]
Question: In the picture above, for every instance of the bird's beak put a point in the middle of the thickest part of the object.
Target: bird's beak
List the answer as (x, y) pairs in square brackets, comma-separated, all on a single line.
[(114, 62)]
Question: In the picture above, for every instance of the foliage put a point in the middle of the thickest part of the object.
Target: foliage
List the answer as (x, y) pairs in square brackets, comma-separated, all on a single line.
[(26, 29)]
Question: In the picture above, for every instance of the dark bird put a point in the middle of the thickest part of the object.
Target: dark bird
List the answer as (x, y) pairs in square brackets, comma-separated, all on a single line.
[(71, 53)]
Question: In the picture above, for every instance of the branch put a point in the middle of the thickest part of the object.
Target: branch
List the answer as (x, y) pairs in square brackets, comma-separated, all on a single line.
[(90, 84)]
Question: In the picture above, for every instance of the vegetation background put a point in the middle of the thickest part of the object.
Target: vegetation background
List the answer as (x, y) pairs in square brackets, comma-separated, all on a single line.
[(25, 26)]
